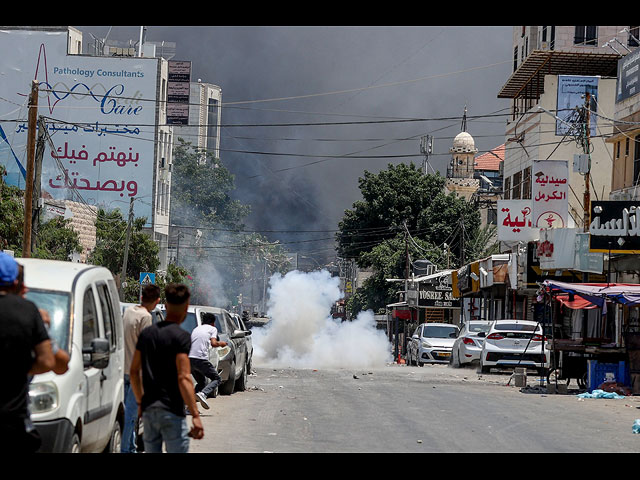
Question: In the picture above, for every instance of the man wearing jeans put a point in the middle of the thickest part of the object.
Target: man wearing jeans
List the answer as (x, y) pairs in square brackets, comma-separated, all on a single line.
[(135, 319), (203, 338), (161, 379)]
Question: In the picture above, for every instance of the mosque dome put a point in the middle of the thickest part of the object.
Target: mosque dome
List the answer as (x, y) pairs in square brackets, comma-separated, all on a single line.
[(464, 143)]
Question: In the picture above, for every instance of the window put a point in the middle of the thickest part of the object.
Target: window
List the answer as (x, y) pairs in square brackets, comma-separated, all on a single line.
[(516, 188), (492, 216), (89, 319), (585, 35), (618, 149), (526, 184), (626, 147), (507, 188), (107, 314), (634, 36), (515, 58)]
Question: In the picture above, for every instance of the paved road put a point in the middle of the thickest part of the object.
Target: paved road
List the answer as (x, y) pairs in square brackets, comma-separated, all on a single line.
[(400, 408)]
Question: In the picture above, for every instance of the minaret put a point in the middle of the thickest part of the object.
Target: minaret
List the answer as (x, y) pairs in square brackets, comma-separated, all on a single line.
[(460, 172)]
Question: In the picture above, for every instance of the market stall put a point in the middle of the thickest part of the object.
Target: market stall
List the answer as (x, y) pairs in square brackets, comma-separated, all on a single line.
[(596, 315)]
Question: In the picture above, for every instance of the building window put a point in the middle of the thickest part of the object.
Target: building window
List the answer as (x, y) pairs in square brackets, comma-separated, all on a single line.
[(507, 188), (585, 35), (526, 184), (626, 147), (618, 149), (517, 186), (634, 36), (515, 58), (492, 216)]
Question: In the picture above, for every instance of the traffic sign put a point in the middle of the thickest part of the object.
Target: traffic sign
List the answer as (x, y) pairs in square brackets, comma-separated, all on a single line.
[(147, 278)]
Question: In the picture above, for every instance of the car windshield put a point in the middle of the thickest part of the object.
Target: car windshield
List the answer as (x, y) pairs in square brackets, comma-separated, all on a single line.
[(479, 327), (190, 322), (57, 306), (518, 327), (439, 331)]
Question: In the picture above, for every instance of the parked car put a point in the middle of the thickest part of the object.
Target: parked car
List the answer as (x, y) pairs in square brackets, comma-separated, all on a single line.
[(513, 343), (243, 326), (230, 361), (431, 343), (156, 315), (81, 410), (468, 346)]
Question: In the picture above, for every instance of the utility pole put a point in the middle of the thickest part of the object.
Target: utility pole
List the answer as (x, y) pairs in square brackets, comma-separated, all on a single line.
[(587, 176), (123, 275), (28, 192), (37, 187)]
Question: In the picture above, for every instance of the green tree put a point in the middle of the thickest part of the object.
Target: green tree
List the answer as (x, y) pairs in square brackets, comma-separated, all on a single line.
[(55, 240), (402, 208), (111, 232)]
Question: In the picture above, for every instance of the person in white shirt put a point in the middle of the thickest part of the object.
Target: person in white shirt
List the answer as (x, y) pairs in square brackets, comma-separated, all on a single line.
[(204, 337)]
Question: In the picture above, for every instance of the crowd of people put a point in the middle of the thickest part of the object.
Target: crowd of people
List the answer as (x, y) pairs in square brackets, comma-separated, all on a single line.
[(160, 359)]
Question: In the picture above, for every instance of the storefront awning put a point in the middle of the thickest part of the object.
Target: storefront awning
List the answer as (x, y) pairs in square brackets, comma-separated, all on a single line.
[(599, 293), (578, 303)]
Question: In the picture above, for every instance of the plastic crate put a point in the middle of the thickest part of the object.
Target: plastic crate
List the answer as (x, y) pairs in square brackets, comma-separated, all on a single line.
[(599, 373)]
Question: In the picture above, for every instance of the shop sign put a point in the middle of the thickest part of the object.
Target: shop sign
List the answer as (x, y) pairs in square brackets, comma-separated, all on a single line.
[(556, 248), (615, 227), (437, 295), (549, 192), (515, 222), (628, 83)]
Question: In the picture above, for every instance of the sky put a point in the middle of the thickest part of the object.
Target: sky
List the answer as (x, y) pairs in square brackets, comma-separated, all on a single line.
[(307, 109)]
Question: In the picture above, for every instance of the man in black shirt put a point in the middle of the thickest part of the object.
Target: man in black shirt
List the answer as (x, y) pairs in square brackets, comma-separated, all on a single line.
[(161, 379), (25, 349)]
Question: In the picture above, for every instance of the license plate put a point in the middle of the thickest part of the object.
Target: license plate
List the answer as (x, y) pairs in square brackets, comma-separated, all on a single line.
[(444, 354)]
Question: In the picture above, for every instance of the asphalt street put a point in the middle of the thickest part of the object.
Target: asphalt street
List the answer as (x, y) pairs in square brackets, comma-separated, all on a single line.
[(399, 408)]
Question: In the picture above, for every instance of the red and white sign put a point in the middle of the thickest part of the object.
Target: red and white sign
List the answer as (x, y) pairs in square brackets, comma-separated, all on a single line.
[(550, 193), (515, 221)]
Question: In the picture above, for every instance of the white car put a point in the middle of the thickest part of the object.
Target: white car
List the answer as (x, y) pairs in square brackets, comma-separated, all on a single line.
[(431, 343), (81, 410), (514, 343), (468, 346)]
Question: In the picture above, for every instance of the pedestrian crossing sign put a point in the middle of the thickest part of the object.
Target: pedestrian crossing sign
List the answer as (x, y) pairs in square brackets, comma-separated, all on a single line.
[(147, 278)]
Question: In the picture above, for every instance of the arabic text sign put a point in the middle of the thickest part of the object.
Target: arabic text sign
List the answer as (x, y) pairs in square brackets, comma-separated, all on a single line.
[(615, 225), (95, 106), (549, 191), (515, 222)]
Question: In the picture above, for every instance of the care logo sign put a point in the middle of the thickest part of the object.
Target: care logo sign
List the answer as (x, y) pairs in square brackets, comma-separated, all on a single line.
[(100, 114)]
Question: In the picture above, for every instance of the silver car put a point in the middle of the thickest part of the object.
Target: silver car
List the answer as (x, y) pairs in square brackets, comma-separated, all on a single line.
[(431, 343), (468, 346)]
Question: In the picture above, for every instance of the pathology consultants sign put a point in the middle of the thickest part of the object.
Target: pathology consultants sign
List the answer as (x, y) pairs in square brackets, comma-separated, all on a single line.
[(100, 114)]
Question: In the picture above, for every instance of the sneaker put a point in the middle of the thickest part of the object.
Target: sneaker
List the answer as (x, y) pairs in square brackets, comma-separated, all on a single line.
[(203, 401)]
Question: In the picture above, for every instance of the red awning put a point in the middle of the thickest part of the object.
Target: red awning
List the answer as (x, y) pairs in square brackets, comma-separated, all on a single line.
[(404, 314), (578, 302)]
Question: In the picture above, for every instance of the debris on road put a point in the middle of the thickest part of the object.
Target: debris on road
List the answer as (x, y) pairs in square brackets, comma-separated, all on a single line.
[(600, 394)]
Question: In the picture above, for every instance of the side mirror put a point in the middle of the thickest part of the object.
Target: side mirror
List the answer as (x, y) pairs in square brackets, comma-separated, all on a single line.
[(247, 332), (238, 334), (416, 337), (97, 355)]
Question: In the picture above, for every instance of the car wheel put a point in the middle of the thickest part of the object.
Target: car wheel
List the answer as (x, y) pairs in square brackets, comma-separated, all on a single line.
[(227, 387), (484, 369), (241, 383), (455, 359), (75, 444), (115, 442)]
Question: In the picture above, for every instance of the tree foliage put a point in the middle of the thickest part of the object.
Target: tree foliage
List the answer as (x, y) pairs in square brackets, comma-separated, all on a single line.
[(403, 209)]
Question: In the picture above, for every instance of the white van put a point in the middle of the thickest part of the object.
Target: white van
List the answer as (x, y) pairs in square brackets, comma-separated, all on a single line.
[(83, 409)]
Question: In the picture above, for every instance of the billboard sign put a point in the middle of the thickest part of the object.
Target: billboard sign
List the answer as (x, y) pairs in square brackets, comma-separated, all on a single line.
[(571, 91), (178, 90), (100, 115)]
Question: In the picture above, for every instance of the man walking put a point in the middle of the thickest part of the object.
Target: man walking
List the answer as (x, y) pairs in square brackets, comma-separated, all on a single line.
[(161, 379), (25, 349), (203, 338), (135, 319)]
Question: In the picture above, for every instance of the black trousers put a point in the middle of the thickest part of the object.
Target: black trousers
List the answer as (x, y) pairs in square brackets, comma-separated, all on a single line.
[(201, 370)]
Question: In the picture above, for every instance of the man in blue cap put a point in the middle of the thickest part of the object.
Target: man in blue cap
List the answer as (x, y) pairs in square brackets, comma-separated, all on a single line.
[(25, 349)]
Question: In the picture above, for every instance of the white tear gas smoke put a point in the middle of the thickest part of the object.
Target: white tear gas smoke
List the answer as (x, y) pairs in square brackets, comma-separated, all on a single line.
[(302, 334)]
